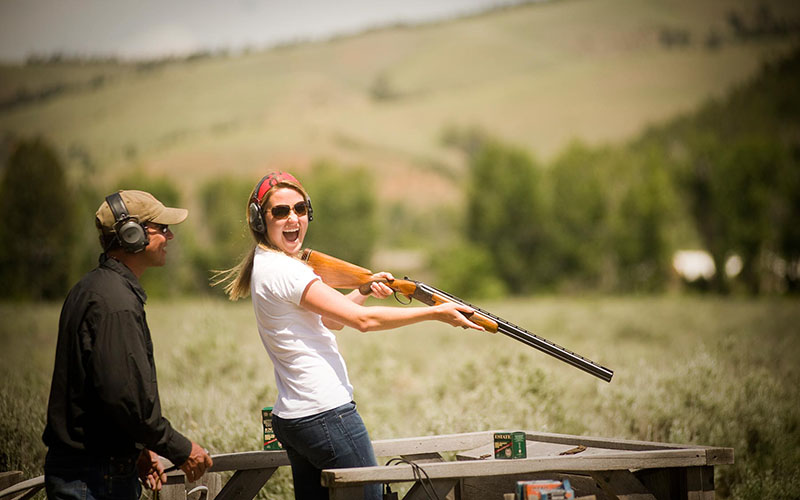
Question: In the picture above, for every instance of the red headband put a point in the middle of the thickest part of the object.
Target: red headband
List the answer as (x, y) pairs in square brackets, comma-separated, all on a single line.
[(272, 179)]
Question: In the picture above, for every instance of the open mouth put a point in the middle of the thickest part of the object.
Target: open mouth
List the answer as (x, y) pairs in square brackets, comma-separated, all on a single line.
[(291, 235)]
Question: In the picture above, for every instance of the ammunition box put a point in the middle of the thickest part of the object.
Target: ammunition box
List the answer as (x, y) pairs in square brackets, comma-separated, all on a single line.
[(509, 445), (270, 441), (545, 490)]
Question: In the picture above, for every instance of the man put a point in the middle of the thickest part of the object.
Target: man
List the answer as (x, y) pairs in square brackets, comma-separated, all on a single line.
[(104, 421)]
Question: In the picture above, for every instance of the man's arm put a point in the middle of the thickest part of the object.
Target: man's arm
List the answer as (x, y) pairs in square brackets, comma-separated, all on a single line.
[(125, 380)]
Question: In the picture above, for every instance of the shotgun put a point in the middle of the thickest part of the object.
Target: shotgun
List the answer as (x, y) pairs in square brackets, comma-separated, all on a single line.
[(337, 273)]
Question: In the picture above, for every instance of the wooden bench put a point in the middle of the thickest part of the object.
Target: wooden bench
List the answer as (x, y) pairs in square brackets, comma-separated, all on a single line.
[(597, 467)]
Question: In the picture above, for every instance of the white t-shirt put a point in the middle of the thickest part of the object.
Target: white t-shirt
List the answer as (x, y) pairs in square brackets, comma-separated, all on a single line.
[(309, 371)]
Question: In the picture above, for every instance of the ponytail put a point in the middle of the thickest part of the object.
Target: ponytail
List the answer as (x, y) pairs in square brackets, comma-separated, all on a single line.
[(237, 278)]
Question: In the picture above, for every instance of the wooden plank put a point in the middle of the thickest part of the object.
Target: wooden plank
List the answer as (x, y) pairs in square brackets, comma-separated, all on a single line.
[(243, 460), (28, 494), (535, 449), (626, 444), (22, 487), (245, 484), (10, 478), (601, 442), (575, 463), (428, 444), (249, 460), (622, 485), (719, 456)]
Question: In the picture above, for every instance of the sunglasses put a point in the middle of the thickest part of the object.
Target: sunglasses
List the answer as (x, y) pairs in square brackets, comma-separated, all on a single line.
[(283, 211), (160, 228)]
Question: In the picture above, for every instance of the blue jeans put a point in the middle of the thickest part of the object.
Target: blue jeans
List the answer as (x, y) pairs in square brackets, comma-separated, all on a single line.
[(69, 476), (329, 440)]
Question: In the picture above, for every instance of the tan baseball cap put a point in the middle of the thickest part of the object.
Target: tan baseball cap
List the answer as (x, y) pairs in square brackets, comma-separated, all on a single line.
[(145, 207)]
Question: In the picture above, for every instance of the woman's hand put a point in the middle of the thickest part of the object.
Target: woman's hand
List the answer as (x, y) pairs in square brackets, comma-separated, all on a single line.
[(456, 315), (379, 289)]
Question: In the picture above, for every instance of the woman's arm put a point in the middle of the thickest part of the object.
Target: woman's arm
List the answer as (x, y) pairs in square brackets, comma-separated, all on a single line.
[(378, 290), (333, 306)]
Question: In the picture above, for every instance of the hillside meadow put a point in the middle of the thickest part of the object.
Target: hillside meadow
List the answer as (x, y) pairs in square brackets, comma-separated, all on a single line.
[(687, 369), (538, 75)]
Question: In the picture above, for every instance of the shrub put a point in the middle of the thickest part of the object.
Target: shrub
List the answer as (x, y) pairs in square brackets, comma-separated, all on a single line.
[(37, 233), (504, 209), (344, 211), (467, 271)]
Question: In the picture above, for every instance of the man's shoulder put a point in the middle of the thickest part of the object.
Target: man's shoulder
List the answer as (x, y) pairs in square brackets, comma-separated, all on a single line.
[(107, 288)]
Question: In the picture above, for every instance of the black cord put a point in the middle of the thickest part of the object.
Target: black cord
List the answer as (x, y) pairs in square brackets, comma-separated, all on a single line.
[(418, 472)]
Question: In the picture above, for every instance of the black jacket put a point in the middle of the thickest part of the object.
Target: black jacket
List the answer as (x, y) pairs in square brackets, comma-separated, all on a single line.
[(104, 395)]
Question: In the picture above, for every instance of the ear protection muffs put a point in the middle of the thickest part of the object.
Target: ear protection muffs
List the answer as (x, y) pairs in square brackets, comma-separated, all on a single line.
[(255, 214), (131, 234)]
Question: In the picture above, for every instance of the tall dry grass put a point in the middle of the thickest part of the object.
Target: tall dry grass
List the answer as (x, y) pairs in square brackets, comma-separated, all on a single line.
[(697, 370)]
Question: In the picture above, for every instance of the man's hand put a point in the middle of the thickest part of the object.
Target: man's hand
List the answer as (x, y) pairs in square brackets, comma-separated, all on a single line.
[(197, 463), (150, 470)]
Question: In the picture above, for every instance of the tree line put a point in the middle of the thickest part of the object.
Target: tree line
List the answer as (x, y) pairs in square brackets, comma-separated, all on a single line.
[(725, 179), (49, 239)]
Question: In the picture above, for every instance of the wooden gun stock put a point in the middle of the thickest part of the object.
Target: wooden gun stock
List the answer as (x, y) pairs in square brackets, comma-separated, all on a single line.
[(337, 273), (341, 274)]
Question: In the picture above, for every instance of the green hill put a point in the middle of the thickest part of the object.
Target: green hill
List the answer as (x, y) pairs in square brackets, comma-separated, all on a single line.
[(538, 75)]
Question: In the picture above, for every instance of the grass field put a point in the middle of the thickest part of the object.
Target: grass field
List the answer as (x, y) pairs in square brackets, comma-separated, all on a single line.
[(687, 369)]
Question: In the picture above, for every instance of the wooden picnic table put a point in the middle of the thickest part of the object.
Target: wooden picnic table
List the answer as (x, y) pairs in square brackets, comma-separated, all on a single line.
[(463, 467), (606, 468)]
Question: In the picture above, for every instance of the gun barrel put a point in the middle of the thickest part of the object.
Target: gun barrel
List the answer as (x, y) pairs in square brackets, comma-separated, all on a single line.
[(522, 335), (554, 350)]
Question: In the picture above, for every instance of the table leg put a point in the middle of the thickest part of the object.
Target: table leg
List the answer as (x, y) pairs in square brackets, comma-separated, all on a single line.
[(244, 484), (700, 483)]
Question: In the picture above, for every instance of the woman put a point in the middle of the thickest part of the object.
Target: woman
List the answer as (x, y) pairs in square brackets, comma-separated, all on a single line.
[(314, 416)]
